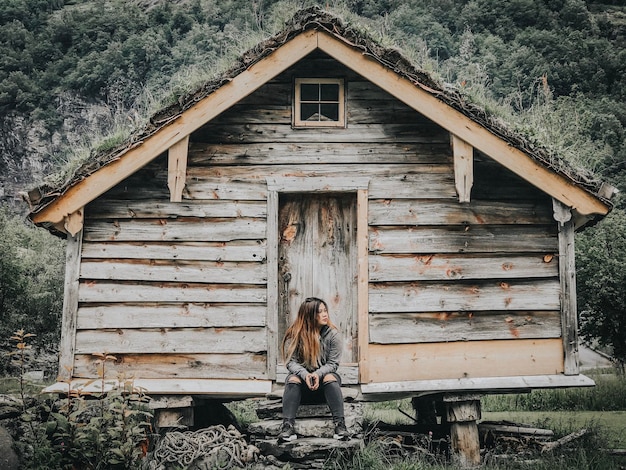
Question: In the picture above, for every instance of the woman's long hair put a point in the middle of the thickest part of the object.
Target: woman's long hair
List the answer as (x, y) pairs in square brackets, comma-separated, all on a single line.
[(303, 336)]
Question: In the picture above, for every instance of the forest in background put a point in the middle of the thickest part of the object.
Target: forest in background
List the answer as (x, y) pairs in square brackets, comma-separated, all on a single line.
[(78, 76)]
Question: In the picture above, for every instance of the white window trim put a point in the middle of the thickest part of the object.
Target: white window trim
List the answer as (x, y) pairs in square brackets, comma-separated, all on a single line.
[(297, 120)]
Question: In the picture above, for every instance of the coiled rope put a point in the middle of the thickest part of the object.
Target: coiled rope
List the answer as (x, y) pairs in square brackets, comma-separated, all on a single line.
[(223, 448)]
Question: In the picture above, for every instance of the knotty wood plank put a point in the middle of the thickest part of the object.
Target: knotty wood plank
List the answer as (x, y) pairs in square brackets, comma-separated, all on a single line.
[(155, 209), (261, 172), (462, 360), (224, 189), (173, 230), (253, 133), (166, 315), (447, 267), (241, 250), (220, 272), (442, 212), (452, 297), (97, 291), (201, 154), (167, 340), (394, 328), (171, 366), (471, 239)]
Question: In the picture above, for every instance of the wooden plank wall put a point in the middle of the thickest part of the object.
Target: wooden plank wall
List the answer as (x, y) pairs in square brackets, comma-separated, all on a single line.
[(180, 289)]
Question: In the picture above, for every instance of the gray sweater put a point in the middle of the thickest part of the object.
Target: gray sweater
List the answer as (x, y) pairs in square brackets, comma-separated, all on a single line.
[(331, 350)]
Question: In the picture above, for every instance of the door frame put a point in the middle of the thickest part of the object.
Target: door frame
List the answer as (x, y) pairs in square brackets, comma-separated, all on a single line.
[(277, 185)]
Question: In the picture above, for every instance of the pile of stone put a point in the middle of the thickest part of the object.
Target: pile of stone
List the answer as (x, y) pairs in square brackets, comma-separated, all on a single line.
[(315, 429)]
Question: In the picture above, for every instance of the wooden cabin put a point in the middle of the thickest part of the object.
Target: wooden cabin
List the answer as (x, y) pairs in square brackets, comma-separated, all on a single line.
[(322, 164)]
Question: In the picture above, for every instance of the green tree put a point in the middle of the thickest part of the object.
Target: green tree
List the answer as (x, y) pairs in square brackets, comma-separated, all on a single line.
[(31, 282), (601, 277)]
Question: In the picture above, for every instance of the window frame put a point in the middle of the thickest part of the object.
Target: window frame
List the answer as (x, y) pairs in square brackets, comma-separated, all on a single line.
[(341, 103)]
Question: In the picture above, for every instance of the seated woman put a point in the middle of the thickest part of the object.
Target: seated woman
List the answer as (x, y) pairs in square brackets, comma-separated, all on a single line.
[(312, 348)]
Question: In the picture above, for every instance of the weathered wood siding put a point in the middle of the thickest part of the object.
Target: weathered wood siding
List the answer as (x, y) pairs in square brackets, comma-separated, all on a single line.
[(180, 289)]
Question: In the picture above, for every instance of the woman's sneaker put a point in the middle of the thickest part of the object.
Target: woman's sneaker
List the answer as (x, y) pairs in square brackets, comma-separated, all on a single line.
[(341, 432), (287, 432)]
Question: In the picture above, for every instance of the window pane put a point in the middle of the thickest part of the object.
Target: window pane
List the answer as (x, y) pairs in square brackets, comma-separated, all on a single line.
[(309, 112), (329, 92), (329, 112), (309, 92)]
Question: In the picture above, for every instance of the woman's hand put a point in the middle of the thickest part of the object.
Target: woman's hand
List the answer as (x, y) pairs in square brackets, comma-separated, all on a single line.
[(312, 381)]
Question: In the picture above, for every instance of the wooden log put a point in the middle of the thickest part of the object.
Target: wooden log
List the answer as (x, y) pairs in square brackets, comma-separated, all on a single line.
[(294, 153), (104, 292), (155, 209), (515, 429), (167, 315), (239, 250), (219, 272), (253, 133), (463, 239), (172, 230), (444, 212), (181, 341), (513, 295), (434, 267), (393, 328), (465, 443), (168, 365)]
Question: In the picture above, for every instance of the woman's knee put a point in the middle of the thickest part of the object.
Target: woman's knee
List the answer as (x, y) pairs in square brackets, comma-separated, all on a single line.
[(329, 378), (294, 380)]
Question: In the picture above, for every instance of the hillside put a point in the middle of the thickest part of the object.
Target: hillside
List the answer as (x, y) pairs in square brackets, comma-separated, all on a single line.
[(76, 72)]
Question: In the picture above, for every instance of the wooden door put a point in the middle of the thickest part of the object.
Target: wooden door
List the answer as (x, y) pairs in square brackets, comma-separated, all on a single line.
[(317, 257)]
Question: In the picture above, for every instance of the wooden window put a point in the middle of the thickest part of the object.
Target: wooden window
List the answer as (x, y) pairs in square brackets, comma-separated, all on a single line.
[(319, 102)]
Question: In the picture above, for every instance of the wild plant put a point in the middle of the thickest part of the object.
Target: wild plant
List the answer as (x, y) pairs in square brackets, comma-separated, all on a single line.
[(106, 430)]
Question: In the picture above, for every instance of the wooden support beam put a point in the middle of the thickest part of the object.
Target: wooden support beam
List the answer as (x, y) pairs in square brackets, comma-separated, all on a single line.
[(463, 412), (70, 307), (271, 320), (363, 285), (177, 169), (567, 277), (463, 167)]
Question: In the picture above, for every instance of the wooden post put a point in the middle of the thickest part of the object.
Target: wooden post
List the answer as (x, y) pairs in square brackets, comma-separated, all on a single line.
[(462, 412), (567, 278)]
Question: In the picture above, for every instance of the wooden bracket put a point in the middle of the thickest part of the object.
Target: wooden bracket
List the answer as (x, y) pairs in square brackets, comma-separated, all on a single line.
[(177, 169), (73, 223), (463, 167)]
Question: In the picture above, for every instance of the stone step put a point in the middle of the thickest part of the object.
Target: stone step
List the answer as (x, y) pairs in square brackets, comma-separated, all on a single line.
[(306, 427), (309, 448)]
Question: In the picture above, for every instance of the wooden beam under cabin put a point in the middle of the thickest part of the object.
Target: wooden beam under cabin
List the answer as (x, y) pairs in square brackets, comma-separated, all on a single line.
[(177, 168), (425, 102), (202, 112)]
